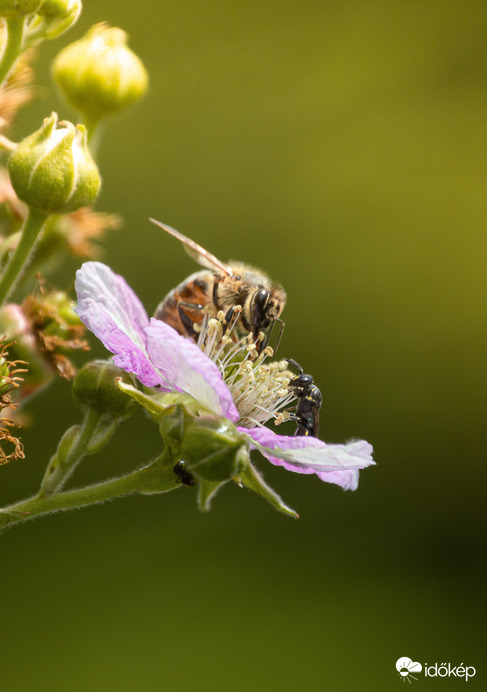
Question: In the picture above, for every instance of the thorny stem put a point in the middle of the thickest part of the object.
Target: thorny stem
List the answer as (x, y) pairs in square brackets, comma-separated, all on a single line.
[(13, 47), (32, 227)]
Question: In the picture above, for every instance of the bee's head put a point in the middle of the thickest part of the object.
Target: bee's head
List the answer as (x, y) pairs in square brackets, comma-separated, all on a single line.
[(265, 307)]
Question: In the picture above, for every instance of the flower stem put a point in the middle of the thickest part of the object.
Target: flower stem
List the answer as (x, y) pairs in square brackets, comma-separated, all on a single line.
[(13, 48), (155, 478), (76, 443), (94, 128), (33, 224)]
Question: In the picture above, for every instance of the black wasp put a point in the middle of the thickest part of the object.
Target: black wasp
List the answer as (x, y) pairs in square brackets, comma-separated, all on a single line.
[(307, 414)]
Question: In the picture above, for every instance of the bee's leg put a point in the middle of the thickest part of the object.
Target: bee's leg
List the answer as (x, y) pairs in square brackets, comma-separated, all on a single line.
[(263, 344), (232, 316), (229, 316), (185, 318)]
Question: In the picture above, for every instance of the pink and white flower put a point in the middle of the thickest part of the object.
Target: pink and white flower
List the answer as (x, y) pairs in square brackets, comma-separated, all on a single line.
[(219, 373)]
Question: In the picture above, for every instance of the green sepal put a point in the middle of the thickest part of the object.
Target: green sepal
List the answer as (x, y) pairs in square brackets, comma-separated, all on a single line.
[(252, 480), (158, 477), (156, 403), (172, 427), (58, 467), (103, 433), (66, 442), (148, 401), (206, 492)]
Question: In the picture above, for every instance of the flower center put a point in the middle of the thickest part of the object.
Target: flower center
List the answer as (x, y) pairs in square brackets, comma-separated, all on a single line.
[(260, 390)]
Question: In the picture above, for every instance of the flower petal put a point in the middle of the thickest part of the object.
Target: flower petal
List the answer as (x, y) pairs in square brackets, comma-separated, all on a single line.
[(332, 463), (111, 310), (188, 369)]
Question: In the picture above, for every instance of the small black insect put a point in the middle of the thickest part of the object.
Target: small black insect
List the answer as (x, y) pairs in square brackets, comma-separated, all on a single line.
[(307, 414), (183, 474)]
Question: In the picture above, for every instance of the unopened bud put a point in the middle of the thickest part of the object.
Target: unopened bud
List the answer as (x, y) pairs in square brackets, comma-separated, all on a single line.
[(57, 16), (18, 8), (94, 387), (99, 75), (52, 169)]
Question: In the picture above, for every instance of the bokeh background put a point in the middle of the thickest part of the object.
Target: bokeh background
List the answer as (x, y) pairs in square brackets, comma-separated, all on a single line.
[(342, 146)]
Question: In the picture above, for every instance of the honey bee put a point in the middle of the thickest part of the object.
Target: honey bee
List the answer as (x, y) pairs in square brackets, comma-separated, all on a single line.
[(222, 287)]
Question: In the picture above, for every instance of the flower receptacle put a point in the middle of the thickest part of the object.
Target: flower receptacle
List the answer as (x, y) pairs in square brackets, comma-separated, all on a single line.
[(213, 450)]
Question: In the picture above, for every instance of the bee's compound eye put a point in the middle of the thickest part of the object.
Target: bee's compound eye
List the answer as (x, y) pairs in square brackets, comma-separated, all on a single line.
[(260, 299), (258, 306)]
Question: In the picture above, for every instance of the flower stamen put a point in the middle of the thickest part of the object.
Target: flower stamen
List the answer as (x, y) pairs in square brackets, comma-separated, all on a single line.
[(259, 389)]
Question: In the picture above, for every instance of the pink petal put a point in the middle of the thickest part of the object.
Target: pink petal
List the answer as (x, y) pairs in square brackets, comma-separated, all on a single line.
[(111, 310), (185, 365), (332, 463)]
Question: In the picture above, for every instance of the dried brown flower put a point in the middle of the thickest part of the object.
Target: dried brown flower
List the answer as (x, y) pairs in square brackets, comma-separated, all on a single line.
[(11, 447)]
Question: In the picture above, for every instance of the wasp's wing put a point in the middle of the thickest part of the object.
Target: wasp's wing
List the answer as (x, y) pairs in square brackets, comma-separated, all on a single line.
[(202, 256)]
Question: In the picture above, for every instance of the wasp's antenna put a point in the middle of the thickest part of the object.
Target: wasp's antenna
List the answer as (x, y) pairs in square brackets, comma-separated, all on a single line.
[(292, 362)]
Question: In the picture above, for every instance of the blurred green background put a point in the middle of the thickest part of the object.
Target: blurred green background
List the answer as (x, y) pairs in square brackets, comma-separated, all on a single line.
[(342, 146)]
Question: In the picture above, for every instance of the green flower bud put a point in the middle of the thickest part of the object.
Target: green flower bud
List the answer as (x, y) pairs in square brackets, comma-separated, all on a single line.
[(57, 16), (94, 387), (213, 449), (52, 169), (18, 8), (60, 8), (99, 75)]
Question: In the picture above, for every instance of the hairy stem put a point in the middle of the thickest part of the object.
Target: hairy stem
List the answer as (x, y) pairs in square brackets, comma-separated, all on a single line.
[(158, 477), (13, 47), (74, 446), (19, 258)]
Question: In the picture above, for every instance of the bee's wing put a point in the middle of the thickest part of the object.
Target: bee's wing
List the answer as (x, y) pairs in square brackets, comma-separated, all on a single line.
[(202, 256)]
